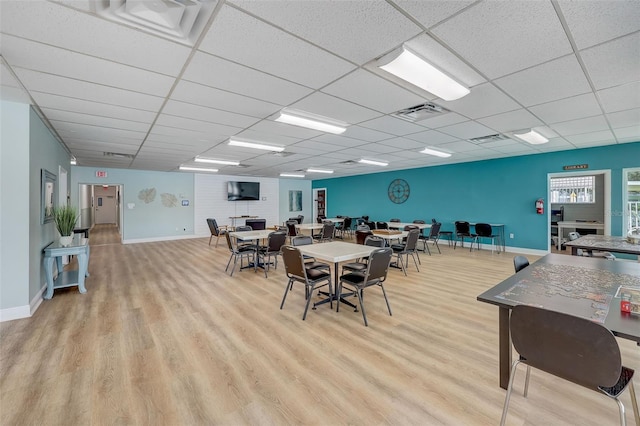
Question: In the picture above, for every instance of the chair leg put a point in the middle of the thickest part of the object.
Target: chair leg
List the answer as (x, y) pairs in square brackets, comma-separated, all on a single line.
[(526, 381), (435, 242), (287, 288), (306, 306), (426, 246), (235, 261), (634, 403), (210, 239), (364, 314), (414, 260), (402, 264), (509, 389), (384, 293), (228, 263)]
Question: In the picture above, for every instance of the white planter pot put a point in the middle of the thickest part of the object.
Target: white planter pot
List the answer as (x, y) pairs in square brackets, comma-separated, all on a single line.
[(66, 241)]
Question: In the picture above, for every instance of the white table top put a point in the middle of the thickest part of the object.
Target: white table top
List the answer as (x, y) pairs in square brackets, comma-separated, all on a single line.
[(401, 235), (401, 225), (336, 251), (251, 235), (335, 219), (309, 226)]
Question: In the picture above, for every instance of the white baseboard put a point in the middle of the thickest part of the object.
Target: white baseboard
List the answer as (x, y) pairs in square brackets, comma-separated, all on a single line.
[(26, 311), (156, 239)]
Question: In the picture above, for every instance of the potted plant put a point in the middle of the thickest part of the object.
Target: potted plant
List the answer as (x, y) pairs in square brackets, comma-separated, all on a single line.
[(65, 218)]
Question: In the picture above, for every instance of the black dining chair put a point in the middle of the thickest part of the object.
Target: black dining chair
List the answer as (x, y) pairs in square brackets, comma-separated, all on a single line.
[(519, 263), (265, 253), (573, 348), (361, 264), (485, 230), (462, 231), (216, 230)]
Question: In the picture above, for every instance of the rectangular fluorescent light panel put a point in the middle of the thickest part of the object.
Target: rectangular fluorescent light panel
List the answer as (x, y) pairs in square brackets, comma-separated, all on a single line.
[(435, 152), (311, 121), (373, 162), (291, 175), (532, 137), (246, 144), (197, 169), (319, 171), (212, 161), (410, 67)]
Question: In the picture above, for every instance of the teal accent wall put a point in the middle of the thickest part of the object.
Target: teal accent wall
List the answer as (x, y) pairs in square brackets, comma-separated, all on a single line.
[(496, 191), (146, 221)]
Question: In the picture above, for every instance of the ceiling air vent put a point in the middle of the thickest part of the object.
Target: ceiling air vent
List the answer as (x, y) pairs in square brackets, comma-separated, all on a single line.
[(178, 20), (281, 153), (488, 138), (118, 155), (420, 112)]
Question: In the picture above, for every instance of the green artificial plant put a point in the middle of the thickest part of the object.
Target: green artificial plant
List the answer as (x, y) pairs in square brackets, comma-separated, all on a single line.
[(65, 218)]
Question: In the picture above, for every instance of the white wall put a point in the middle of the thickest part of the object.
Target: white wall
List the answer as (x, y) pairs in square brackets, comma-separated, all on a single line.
[(210, 195), (287, 185)]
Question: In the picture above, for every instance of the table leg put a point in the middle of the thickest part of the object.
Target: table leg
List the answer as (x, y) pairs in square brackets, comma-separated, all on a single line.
[(504, 346), (83, 260), (336, 297), (48, 272)]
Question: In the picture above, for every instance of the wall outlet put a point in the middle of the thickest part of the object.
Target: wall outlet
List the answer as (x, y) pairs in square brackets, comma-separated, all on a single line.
[(510, 235)]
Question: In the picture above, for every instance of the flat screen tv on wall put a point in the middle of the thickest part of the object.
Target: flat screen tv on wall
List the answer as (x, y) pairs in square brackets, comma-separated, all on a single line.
[(240, 191)]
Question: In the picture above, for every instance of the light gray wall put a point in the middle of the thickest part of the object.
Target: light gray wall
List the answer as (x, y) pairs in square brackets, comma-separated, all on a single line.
[(287, 185), (14, 205)]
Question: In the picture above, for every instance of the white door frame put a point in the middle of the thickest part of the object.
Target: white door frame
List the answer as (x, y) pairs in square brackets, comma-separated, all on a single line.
[(625, 199)]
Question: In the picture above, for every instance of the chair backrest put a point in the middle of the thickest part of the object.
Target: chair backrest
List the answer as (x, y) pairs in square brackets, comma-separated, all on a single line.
[(302, 240), (276, 240), (371, 225), (394, 220), (363, 228), (213, 226), (419, 221), (361, 235), (243, 228), (382, 225), (229, 243), (293, 262), (291, 227), (433, 220), (374, 241), (347, 223), (359, 221), (573, 236), (378, 265), (410, 227), (435, 230), (483, 230), (412, 240), (300, 218), (328, 229), (462, 227), (573, 348), (256, 224), (519, 263), (320, 218)]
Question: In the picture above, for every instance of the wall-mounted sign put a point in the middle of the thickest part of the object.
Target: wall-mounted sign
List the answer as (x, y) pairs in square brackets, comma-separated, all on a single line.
[(101, 173), (575, 167), (185, 202)]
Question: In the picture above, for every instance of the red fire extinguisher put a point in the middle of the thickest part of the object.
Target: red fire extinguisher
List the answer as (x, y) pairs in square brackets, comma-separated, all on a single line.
[(540, 206)]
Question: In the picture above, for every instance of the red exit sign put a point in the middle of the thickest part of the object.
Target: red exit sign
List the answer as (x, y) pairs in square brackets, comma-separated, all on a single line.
[(101, 174)]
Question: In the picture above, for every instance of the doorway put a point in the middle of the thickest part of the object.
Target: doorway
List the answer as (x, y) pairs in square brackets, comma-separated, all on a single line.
[(631, 199), (603, 199), (319, 203), (104, 204)]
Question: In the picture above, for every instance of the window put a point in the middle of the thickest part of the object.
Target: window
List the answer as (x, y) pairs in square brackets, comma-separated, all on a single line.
[(576, 189)]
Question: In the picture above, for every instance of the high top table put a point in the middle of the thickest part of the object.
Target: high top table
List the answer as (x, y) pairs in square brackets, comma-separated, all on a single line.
[(79, 247), (575, 285), (603, 243)]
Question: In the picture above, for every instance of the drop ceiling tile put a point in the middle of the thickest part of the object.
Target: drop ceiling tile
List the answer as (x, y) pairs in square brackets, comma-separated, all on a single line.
[(271, 50), (442, 120), (620, 98), (557, 79), (484, 100), (368, 90), (267, 138), (99, 146), (212, 129), (197, 112), (567, 109), (614, 63), (429, 13), (313, 146), (338, 141), (377, 149), (584, 125), (64, 103), (207, 96), (593, 22), (431, 137), (335, 108), (501, 37), (222, 74), (355, 30), (402, 143), (277, 128), (510, 121), (628, 133), (393, 126), (37, 82), (362, 133), (97, 133), (460, 147), (588, 138), (83, 67), (168, 133), (85, 33), (626, 118), (94, 120), (555, 144), (467, 130)]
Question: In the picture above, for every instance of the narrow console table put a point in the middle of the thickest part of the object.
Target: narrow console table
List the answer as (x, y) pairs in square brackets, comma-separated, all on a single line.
[(79, 247)]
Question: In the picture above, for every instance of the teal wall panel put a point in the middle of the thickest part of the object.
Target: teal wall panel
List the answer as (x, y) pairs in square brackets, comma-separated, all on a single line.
[(496, 191)]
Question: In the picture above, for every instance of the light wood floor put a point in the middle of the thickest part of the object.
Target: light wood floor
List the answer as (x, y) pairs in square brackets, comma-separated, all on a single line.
[(164, 337)]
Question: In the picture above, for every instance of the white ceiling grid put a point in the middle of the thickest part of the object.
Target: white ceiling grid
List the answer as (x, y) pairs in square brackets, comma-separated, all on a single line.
[(569, 69)]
